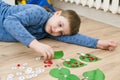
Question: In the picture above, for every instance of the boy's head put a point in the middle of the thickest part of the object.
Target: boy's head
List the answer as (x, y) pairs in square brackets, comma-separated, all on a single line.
[(73, 19), (65, 22)]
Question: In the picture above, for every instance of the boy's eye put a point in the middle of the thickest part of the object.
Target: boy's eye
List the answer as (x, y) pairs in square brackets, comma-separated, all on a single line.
[(60, 25)]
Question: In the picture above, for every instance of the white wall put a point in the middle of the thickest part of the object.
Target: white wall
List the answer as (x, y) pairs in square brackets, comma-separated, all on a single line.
[(12, 2)]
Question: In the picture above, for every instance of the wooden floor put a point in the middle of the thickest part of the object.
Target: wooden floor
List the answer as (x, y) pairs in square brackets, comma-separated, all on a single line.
[(12, 54)]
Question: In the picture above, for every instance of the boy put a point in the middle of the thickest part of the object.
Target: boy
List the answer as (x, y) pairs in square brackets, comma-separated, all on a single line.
[(30, 23)]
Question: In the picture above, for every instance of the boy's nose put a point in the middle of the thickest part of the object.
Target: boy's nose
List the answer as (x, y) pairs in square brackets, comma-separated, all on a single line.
[(58, 29)]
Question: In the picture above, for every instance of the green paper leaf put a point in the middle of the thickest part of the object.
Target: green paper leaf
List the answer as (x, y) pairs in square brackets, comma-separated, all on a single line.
[(59, 73), (94, 75), (70, 77), (58, 54), (72, 63), (62, 78), (89, 58)]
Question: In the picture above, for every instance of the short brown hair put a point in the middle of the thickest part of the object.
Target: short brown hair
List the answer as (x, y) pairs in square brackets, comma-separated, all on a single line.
[(74, 20)]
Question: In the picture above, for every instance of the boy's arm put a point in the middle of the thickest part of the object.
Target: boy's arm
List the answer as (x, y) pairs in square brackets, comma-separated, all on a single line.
[(14, 24), (78, 39)]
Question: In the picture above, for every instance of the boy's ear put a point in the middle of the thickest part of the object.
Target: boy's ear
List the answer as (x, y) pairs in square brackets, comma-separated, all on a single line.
[(58, 12)]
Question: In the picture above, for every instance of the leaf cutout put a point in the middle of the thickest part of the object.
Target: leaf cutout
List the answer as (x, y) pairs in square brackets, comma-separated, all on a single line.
[(70, 77), (94, 75), (59, 72), (58, 54), (89, 58), (73, 63)]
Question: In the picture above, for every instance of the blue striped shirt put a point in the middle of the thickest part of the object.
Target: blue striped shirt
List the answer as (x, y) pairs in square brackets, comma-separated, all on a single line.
[(25, 23)]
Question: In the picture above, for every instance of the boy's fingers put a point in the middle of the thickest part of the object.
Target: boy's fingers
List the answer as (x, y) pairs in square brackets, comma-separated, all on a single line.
[(111, 48), (45, 56), (52, 54), (113, 43), (49, 55)]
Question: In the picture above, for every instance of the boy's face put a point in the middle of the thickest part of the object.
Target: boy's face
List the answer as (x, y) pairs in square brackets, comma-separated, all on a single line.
[(57, 25)]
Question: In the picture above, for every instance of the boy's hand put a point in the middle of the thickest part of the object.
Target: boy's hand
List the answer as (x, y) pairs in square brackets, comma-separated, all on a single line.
[(107, 44), (43, 49)]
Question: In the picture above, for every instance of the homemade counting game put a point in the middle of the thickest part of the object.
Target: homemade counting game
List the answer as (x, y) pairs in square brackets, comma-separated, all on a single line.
[(60, 72)]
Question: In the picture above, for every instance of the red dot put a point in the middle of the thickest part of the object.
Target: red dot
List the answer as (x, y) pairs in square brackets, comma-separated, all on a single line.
[(45, 65), (91, 58), (81, 63), (45, 62), (68, 62), (18, 65), (75, 63), (50, 62), (49, 65)]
